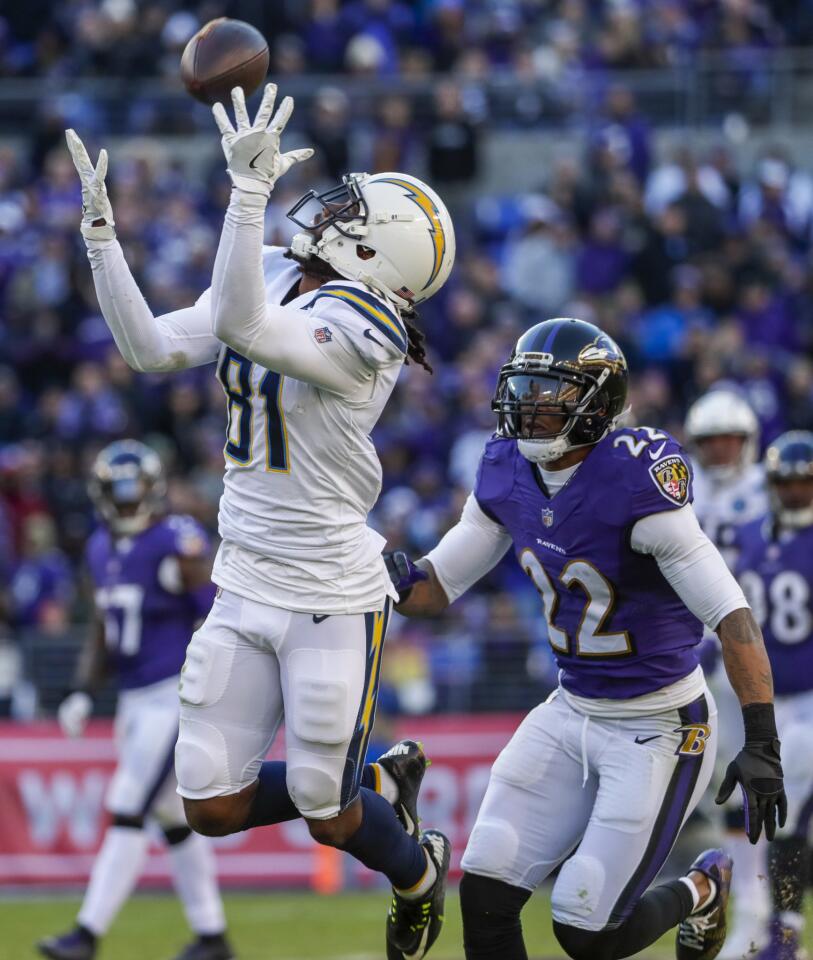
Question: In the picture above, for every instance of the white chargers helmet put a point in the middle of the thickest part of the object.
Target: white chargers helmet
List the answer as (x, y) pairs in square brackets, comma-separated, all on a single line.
[(724, 413), (388, 230)]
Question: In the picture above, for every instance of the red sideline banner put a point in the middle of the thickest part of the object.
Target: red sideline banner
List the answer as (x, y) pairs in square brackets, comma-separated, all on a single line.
[(52, 800)]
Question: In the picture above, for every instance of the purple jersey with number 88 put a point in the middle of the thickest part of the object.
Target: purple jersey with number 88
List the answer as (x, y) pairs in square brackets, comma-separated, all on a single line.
[(617, 627)]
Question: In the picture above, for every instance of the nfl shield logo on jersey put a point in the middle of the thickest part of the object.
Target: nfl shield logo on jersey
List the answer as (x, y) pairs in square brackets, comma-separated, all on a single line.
[(322, 335), (671, 477), (547, 517)]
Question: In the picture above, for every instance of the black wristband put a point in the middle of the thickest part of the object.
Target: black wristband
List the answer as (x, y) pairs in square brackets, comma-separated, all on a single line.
[(760, 722)]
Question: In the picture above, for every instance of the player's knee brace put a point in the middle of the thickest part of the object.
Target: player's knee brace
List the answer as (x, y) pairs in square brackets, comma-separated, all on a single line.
[(581, 944), (131, 823), (491, 923), (176, 835), (577, 891)]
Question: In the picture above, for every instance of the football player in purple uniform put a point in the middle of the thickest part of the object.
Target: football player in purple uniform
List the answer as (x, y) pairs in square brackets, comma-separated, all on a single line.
[(775, 570), (600, 778), (151, 574)]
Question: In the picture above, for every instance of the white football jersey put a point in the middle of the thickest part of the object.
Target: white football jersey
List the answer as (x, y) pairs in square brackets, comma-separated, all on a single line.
[(301, 470), (723, 506)]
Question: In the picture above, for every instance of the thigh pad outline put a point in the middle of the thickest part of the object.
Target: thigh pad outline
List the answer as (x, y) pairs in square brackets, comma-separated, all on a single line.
[(206, 670), (322, 708)]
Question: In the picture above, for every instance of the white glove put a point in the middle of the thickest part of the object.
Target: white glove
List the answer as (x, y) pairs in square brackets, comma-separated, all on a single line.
[(253, 158), (74, 712), (95, 203)]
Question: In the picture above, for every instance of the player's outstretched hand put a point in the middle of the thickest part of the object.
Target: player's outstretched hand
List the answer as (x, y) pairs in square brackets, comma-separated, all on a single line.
[(252, 150), (97, 214), (403, 573), (758, 770), (74, 713)]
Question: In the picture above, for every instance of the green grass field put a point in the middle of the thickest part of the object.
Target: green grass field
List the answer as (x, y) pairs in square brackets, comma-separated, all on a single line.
[(273, 926)]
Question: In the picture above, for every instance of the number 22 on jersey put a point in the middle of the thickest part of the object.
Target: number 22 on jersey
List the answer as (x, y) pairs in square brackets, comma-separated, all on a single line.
[(590, 639), (235, 373)]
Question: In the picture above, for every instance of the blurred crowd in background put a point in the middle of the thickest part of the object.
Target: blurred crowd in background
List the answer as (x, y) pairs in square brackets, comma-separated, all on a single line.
[(698, 266), (126, 38)]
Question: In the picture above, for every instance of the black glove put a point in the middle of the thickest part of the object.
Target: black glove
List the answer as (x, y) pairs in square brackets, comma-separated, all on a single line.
[(758, 770), (403, 573)]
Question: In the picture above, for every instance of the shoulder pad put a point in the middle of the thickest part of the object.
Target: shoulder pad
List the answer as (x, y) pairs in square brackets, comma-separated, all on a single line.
[(373, 310), (496, 472), (187, 537), (653, 468)]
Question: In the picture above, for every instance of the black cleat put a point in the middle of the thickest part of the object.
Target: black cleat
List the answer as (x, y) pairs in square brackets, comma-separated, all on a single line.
[(79, 944), (701, 935), (414, 925), (406, 763), (207, 948)]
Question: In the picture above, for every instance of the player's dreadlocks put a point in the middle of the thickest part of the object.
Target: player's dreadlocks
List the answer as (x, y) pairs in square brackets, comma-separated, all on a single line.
[(416, 351)]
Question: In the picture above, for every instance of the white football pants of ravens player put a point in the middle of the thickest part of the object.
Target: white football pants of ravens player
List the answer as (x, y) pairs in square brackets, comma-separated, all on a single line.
[(606, 794), (249, 665), (144, 787)]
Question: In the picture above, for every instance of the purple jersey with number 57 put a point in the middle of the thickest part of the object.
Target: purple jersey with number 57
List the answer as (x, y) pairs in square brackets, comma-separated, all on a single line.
[(616, 626), (148, 616), (776, 576)]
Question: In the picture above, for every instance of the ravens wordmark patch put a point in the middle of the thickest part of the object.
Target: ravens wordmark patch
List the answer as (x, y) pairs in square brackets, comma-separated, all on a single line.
[(671, 477)]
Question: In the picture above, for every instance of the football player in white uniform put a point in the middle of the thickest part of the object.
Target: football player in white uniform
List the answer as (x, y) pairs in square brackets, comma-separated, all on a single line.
[(723, 435), (308, 343), (722, 432)]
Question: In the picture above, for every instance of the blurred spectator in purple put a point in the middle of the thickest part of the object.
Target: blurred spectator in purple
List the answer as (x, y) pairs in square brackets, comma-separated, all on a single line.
[(625, 131), (602, 260), (42, 584)]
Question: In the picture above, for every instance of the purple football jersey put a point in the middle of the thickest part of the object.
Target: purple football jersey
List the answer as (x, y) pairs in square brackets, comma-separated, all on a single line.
[(148, 616), (776, 575), (616, 626)]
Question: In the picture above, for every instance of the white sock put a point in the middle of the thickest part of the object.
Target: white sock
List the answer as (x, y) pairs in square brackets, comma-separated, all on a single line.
[(693, 890), (195, 879), (700, 905), (115, 873), (750, 888), (388, 788), (424, 884)]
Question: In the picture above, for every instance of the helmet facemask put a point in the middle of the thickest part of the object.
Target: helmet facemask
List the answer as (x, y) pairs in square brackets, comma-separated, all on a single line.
[(336, 217), (550, 409)]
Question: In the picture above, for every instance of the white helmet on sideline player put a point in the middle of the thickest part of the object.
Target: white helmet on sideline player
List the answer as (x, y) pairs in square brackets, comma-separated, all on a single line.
[(388, 230), (723, 413)]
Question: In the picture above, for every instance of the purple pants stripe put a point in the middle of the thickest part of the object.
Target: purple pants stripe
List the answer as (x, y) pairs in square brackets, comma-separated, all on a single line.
[(669, 820), (160, 780)]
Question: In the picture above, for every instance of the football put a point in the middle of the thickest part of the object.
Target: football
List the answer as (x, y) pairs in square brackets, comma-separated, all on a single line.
[(224, 54)]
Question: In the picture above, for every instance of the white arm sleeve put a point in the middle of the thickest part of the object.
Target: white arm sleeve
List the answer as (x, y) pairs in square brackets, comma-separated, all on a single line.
[(690, 562), (174, 341), (473, 546), (276, 337)]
